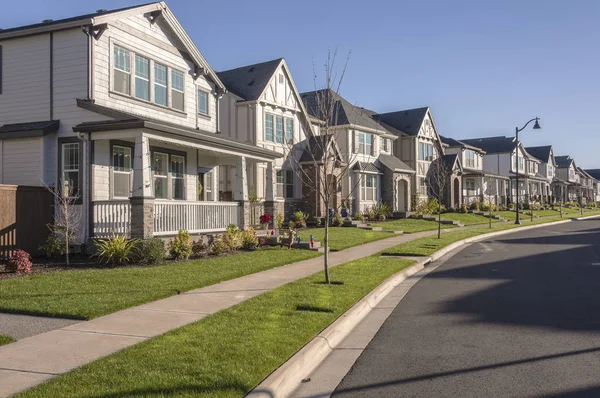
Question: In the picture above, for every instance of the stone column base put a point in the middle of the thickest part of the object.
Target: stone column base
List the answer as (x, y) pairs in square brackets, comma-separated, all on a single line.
[(244, 221), (142, 217)]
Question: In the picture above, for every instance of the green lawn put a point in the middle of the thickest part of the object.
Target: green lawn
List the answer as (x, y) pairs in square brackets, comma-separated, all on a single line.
[(229, 353), (87, 294), (341, 238), (467, 218), (408, 225), (4, 339)]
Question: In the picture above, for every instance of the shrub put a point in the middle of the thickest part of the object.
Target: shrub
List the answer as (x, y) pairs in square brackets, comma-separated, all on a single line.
[(116, 250), (220, 245), (536, 207), (292, 225), (280, 220), (20, 261), (318, 221), (337, 220), (300, 219), (359, 217), (180, 248), (199, 249), (488, 206), (53, 246), (233, 237), (463, 208), (501, 208), (149, 251), (249, 239), (475, 205)]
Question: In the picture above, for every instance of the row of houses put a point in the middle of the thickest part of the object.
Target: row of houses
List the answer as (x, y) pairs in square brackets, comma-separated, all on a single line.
[(123, 109)]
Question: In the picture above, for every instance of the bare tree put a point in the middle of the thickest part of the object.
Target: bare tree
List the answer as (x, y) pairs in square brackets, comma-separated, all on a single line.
[(437, 179), (319, 162), (67, 215), (491, 192)]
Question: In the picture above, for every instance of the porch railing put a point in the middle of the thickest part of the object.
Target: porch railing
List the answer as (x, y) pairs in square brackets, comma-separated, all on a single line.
[(196, 217), (111, 217)]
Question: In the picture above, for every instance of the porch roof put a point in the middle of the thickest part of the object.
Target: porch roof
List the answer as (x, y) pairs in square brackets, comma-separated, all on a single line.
[(29, 129), (472, 172), (395, 164), (366, 167), (125, 121)]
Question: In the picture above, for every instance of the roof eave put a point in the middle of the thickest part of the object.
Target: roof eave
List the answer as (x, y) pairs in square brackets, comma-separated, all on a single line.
[(48, 28)]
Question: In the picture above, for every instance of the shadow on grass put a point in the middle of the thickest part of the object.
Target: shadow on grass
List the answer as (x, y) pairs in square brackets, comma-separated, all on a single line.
[(311, 308), (337, 283), (184, 390)]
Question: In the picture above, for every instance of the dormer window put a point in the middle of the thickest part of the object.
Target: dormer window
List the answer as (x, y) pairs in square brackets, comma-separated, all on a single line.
[(470, 159)]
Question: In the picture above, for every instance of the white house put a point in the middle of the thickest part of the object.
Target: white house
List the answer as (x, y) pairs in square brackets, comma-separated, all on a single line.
[(566, 171), (122, 107), (547, 169)]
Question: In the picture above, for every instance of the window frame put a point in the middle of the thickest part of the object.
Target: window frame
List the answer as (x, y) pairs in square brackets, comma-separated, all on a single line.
[(182, 91), (366, 190), (270, 116), (123, 144), (154, 84), (363, 143), (136, 77), (470, 158), (60, 171), (203, 92), (170, 153), (284, 181), (426, 151), (115, 67), (289, 138)]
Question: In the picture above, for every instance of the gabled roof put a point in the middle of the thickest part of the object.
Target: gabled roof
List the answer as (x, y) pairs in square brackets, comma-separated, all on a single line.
[(366, 167), (540, 152), (344, 112), (451, 162), (394, 164), (317, 146), (585, 174), (250, 81), (408, 121), (492, 145), (29, 129), (594, 173), (453, 143), (102, 17), (563, 161)]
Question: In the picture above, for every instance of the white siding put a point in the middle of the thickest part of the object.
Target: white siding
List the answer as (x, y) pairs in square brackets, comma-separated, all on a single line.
[(101, 170), (22, 161), (130, 33), (25, 80)]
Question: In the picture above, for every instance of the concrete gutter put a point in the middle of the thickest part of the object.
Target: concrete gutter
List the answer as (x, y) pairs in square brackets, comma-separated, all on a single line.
[(285, 379)]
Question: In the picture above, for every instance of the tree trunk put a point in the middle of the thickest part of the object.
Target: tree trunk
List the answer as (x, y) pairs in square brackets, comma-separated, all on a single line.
[(439, 219), (326, 245)]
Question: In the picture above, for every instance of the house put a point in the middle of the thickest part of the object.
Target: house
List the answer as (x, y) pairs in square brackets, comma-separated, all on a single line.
[(595, 175), (566, 171), (502, 155), (120, 110), (547, 168), (367, 147), (587, 186), (477, 184), (418, 145), (263, 108)]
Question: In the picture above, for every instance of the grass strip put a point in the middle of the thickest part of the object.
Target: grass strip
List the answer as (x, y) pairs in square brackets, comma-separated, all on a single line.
[(86, 294), (341, 238), (4, 339), (409, 225), (229, 353), (467, 218)]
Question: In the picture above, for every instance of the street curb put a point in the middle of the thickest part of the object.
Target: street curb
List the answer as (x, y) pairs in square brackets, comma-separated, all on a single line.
[(285, 379)]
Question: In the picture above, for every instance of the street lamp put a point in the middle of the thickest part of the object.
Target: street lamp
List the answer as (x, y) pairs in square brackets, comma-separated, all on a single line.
[(536, 126)]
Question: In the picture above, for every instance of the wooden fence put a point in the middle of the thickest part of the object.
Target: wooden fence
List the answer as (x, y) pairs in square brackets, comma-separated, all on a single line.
[(25, 213)]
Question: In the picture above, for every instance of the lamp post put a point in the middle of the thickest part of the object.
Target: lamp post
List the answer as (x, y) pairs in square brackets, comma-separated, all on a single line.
[(536, 126)]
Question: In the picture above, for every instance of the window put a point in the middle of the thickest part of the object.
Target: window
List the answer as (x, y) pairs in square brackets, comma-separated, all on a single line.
[(280, 78), (285, 184), (70, 169), (368, 185), (289, 130), (365, 143), (122, 165), (470, 158), (208, 186), (521, 164), (422, 186), (425, 151), (160, 84), (142, 78), (122, 70), (159, 168), (279, 129), (550, 171), (202, 102), (177, 87), (177, 173), (470, 184), (383, 144), (269, 127)]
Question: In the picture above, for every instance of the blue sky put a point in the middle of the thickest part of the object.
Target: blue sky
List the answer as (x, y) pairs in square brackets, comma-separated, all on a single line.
[(483, 67)]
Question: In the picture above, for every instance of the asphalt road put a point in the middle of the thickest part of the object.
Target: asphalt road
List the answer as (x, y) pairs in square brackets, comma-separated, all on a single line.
[(515, 316)]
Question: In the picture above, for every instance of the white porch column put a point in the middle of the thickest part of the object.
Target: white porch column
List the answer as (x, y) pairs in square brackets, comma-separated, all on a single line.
[(142, 199), (240, 193), (271, 181)]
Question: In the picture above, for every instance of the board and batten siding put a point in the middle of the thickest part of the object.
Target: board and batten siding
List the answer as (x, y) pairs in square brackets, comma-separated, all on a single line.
[(155, 42), (22, 161), (25, 79)]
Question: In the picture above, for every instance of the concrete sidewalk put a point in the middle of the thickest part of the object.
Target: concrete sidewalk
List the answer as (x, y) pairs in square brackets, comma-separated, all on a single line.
[(36, 359)]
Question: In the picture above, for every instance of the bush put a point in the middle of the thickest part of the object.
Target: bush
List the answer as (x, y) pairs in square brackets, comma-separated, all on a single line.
[(199, 249), (280, 219), (249, 239), (180, 248), (318, 221), (292, 225), (300, 219), (488, 206), (233, 237), (502, 208), (116, 250), (220, 245), (475, 205), (20, 262), (337, 220), (149, 251), (359, 217), (536, 207), (53, 246), (463, 208)]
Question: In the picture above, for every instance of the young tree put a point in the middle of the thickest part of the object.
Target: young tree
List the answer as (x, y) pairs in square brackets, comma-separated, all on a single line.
[(318, 160), (67, 216), (491, 191), (437, 178)]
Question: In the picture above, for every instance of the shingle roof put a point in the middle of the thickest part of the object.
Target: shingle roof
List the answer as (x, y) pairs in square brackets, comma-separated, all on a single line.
[(344, 112), (498, 144), (364, 166), (449, 161), (249, 81), (408, 121), (394, 164), (316, 146), (540, 152), (453, 143), (71, 19), (29, 129), (563, 161), (595, 173)]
